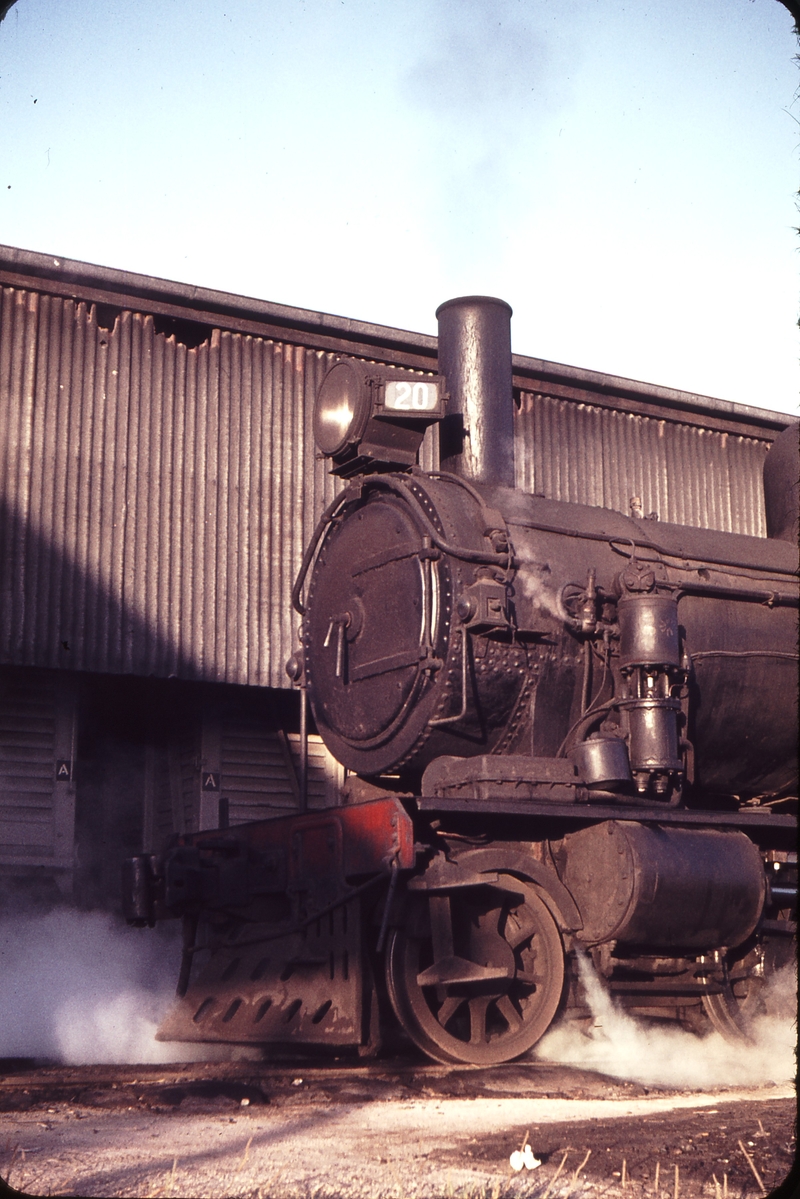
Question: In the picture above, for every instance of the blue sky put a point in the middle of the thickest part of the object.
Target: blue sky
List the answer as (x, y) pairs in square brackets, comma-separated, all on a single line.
[(623, 173)]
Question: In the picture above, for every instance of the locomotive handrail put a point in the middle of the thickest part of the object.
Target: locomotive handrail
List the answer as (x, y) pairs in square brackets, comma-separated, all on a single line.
[(506, 561), (611, 538), (764, 571), (450, 477), (322, 523), (489, 513), (772, 599), (398, 485), (743, 653), (464, 678)]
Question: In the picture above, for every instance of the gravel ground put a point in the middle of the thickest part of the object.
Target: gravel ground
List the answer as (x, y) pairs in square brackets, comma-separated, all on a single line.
[(363, 1137)]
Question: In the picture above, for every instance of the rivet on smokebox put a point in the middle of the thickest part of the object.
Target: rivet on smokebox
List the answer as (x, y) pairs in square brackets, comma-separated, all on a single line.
[(522, 1158)]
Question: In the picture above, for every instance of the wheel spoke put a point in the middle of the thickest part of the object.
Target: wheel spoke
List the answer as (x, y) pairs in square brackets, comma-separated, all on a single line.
[(449, 1008), (515, 936), (512, 1016), (527, 979), (477, 1019)]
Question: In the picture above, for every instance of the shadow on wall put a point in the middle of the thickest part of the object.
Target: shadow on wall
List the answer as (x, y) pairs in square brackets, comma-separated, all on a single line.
[(48, 617), (53, 614), (132, 731)]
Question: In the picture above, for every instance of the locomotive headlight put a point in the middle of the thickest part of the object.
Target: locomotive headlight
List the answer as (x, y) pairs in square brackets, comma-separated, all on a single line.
[(369, 417), (341, 409)]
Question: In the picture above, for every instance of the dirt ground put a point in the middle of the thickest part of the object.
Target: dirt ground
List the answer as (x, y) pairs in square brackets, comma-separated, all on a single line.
[(220, 1132)]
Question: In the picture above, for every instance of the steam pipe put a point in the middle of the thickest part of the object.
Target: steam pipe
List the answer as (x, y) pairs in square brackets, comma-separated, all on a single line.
[(477, 435)]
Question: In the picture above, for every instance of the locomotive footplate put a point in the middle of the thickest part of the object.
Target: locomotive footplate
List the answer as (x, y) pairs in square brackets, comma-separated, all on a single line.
[(658, 813), (306, 986)]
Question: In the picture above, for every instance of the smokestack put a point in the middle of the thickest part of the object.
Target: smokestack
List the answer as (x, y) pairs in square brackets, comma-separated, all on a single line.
[(477, 435)]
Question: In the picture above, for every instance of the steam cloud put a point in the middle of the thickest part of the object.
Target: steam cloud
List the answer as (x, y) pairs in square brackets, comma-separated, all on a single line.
[(531, 578), (624, 1047), (492, 76), (81, 988)]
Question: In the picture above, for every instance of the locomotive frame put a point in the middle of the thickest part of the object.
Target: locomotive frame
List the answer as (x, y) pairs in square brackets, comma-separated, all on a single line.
[(534, 700)]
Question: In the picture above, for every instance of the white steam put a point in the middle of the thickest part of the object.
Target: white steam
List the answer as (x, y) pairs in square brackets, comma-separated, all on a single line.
[(624, 1047), (81, 987), (532, 580), (489, 81)]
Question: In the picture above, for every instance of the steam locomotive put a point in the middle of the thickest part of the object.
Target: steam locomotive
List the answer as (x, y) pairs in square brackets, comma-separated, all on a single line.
[(565, 730)]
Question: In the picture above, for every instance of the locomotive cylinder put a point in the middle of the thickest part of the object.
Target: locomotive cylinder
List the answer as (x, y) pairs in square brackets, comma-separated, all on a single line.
[(477, 436), (665, 888)]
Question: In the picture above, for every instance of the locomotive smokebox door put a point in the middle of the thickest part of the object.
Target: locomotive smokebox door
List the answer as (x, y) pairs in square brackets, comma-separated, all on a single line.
[(396, 674), (375, 630)]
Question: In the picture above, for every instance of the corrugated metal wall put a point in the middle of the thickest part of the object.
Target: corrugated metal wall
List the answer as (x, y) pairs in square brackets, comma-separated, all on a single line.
[(682, 472), (156, 496)]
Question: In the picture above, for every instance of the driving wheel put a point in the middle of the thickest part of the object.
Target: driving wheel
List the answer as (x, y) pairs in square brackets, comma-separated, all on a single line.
[(476, 974), (745, 991)]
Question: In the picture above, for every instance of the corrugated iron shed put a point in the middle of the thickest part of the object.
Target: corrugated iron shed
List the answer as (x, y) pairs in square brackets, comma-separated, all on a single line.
[(158, 479)]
